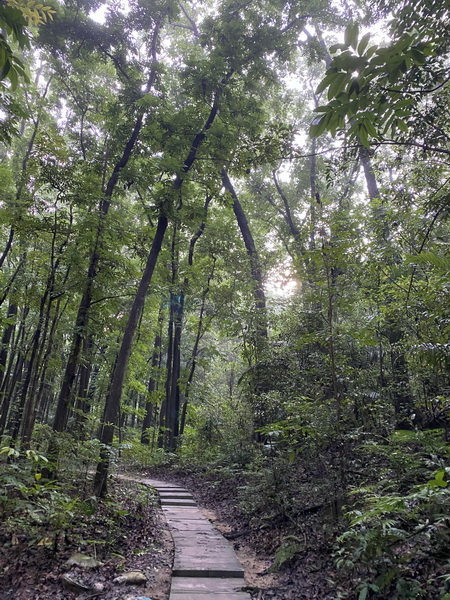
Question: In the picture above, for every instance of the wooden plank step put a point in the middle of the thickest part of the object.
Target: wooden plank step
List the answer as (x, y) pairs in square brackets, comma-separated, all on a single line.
[(202, 585), (205, 565), (177, 502)]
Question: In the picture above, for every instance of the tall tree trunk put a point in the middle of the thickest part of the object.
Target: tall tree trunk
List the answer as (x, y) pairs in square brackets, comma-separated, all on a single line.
[(27, 402), (83, 405), (14, 373), (173, 403), (15, 419), (41, 376), (369, 174), (174, 392), (6, 339), (151, 405), (195, 350), (171, 361), (192, 243), (113, 398), (29, 392), (255, 267), (81, 323), (115, 393), (164, 413)]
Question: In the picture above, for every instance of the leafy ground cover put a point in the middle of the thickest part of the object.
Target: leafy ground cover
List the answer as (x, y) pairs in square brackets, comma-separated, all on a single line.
[(124, 533), (296, 542)]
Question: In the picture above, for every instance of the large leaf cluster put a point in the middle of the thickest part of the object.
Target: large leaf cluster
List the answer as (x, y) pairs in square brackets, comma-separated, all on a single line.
[(365, 86)]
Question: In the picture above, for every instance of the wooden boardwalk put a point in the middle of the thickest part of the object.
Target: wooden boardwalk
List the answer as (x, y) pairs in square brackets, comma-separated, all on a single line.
[(205, 565)]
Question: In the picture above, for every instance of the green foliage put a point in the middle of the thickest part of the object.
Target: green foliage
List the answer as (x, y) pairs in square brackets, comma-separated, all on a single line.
[(288, 550), (387, 93), (35, 13), (13, 22), (39, 510), (365, 86), (391, 534), (134, 455), (15, 15)]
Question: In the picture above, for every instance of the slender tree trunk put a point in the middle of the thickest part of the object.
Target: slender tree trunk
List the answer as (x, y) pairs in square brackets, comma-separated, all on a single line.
[(255, 268), (8, 390), (193, 242), (30, 397), (40, 355), (13, 373), (113, 399), (45, 398), (83, 405), (369, 174), (16, 413), (195, 349), (27, 402), (6, 339), (164, 413), (7, 247), (151, 406), (81, 323), (288, 218), (41, 376), (167, 432), (174, 389)]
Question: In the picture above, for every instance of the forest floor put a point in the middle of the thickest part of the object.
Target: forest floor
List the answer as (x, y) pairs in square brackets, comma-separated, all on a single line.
[(128, 533)]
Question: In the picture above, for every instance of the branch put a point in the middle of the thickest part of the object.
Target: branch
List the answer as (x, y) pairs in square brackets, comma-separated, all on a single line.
[(287, 209), (424, 147), (423, 117), (294, 22), (115, 61), (11, 280), (110, 298), (193, 26), (188, 27), (430, 91), (192, 155), (272, 202), (293, 156), (199, 232)]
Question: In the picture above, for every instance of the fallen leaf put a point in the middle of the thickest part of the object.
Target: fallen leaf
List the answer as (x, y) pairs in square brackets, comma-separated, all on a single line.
[(136, 577), (73, 585), (83, 561)]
